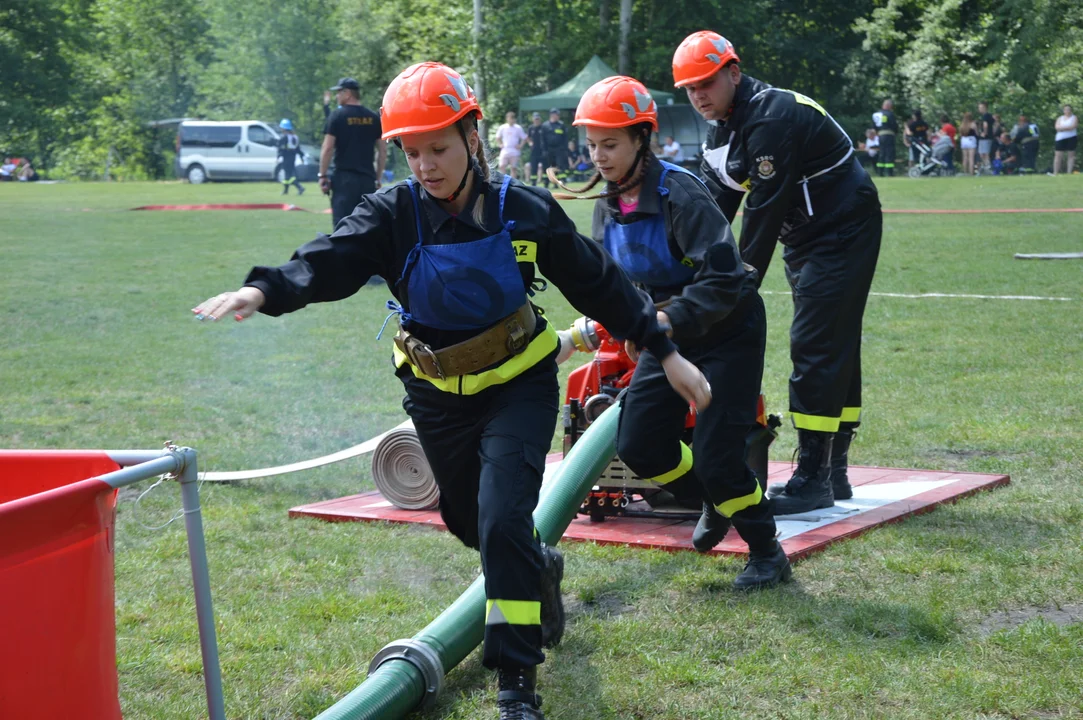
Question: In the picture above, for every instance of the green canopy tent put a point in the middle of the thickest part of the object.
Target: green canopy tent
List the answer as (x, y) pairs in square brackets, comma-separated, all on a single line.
[(566, 97)]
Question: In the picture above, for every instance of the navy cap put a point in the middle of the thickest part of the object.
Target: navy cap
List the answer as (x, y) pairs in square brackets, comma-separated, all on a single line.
[(554, 110), (537, 116), (346, 83)]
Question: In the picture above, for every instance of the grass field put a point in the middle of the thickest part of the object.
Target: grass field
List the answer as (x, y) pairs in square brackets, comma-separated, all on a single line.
[(909, 621)]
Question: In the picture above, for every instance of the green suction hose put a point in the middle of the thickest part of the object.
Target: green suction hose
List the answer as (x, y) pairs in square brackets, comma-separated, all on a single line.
[(407, 675)]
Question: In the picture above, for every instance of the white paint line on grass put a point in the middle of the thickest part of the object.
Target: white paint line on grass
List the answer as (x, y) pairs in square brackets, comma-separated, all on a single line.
[(921, 296)]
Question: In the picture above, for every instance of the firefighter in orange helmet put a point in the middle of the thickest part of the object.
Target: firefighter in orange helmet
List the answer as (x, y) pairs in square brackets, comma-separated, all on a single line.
[(803, 187), (476, 359), (659, 222)]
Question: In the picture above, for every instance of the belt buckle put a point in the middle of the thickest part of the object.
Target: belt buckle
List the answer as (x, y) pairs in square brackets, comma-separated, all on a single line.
[(517, 339), (421, 349)]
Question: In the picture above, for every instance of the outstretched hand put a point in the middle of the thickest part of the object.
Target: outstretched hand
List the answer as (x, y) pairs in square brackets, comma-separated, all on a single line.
[(243, 304)]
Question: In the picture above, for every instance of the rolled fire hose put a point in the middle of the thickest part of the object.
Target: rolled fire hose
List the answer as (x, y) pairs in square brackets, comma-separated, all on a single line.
[(402, 473), (407, 675)]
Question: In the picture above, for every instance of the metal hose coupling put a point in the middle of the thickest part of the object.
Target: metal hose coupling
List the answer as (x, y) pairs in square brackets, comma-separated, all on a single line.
[(585, 335), (422, 657)]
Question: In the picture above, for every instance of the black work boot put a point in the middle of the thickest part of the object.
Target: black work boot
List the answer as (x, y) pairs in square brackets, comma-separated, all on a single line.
[(710, 529), (810, 486), (516, 697), (766, 568), (840, 449), (552, 602)]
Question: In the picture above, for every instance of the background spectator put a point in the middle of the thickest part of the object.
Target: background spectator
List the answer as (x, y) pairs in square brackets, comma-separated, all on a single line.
[(1025, 135), (510, 137), (535, 168), (944, 150), (7, 170), (917, 131), (968, 142), (556, 139), (886, 127), (1066, 139), (27, 173), (671, 151), (871, 147), (986, 134), (1008, 155), (947, 128), (352, 137), (998, 129)]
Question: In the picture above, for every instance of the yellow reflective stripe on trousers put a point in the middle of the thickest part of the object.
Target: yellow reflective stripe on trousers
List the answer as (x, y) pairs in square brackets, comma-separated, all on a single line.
[(819, 423), (851, 414), (684, 466), (512, 612), (736, 505), (538, 348)]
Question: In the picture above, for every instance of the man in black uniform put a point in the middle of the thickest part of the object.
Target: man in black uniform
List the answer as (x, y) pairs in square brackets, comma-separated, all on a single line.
[(556, 139), (536, 166), (1025, 134), (917, 130), (886, 127), (352, 134), (289, 148), (805, 189)]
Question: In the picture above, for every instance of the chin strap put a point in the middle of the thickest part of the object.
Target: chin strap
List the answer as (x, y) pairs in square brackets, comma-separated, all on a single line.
[(469, 167)]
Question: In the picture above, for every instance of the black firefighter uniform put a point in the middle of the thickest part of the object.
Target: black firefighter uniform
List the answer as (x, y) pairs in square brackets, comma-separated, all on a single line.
[(802, 186)]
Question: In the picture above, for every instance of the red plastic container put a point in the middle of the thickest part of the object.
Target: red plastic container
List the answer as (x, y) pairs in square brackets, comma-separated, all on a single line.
[(57, 618)]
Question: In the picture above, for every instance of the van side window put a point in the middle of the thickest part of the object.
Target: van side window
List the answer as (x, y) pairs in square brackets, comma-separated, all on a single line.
[(209, 136), (259, 134)]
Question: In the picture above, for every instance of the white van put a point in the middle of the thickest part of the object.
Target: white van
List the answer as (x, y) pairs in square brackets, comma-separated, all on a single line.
[(235, 150)]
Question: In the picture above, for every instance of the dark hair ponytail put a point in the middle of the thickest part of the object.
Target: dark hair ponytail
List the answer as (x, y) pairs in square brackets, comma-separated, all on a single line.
[(632, 180)]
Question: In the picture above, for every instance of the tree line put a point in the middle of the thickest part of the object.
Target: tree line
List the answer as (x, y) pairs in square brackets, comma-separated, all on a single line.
[(82, 81)]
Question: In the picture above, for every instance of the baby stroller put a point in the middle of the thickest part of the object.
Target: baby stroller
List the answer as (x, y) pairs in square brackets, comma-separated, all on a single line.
[(928, 164)]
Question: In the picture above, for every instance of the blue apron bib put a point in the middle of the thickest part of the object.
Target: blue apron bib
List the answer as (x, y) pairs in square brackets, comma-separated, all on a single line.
[(641, 248), (462, 286)]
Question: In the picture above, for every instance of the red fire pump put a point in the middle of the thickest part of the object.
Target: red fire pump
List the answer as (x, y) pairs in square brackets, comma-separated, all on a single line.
[(594, 387)]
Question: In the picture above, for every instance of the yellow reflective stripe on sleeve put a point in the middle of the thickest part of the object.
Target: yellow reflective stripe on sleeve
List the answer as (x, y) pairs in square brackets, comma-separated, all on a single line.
[(736, 505), (512, 612), (525, 250), (851, 414), (819, 423), (539, 347), (684, 466)]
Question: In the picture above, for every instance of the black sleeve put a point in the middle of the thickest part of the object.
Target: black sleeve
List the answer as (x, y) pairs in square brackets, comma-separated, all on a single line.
[(773, 185), (331, 126), (326, 111), (705, 238), (596, 286), (331, 267)]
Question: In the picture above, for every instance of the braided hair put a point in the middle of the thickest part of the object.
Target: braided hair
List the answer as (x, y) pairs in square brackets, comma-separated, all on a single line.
[(631, 180)]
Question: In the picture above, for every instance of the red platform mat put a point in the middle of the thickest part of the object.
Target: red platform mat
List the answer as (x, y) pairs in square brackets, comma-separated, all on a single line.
[(881, 495)]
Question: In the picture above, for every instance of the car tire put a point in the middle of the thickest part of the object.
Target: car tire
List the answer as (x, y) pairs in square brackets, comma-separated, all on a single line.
[(196, 175)]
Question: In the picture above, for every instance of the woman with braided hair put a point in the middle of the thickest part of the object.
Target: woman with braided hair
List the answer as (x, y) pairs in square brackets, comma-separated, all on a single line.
[(457, 249), (661, 225)]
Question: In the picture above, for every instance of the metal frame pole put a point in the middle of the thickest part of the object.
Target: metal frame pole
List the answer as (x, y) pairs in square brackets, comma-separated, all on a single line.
[(181, 463), (201, 583)]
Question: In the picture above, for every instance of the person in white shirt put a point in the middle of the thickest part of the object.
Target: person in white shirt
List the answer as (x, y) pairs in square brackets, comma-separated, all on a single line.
[(511, 137), (1066, 140), (671, 151)]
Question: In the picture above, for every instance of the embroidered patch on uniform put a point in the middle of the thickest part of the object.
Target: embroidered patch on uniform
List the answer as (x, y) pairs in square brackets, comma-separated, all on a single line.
[(765, 168)]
